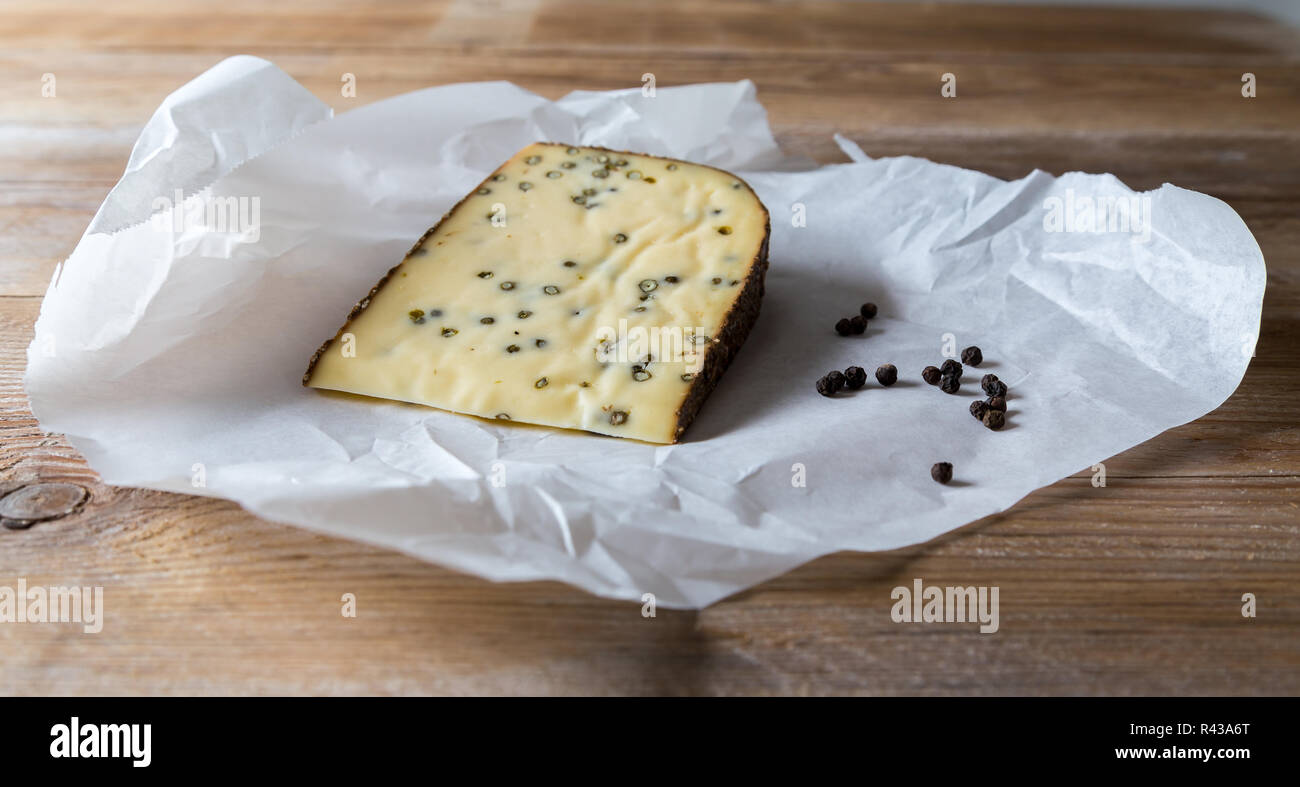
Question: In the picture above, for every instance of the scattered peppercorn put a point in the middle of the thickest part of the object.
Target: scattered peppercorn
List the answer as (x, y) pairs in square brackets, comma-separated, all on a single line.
[(857, 324), (887, 374), (972, 356), (994, 419), (843, 328), (986, 381), (994, 387), (855, 377), (941, 472), (998, 403), (931, 375), (978, 409), (837, 379), (950, 383), (951, 367), (825, 387), (868, 311)]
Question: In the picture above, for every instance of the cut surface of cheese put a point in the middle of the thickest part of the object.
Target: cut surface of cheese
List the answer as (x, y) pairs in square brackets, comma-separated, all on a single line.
[(575, 287)]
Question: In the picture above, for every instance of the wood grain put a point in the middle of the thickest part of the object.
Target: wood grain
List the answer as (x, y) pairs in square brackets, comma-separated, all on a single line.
[(1134, 588)]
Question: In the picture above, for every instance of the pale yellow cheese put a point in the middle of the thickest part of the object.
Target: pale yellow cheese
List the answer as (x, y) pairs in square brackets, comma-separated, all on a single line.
[(534, 299)]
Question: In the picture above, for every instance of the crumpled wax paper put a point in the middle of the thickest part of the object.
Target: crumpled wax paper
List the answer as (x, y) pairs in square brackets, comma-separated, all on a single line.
[(171, 355)]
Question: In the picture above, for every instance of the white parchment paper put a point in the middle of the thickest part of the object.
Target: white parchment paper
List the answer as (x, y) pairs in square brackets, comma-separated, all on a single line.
[(171, 355)]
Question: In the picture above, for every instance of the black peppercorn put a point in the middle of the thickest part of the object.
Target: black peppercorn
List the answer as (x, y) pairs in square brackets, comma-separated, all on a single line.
[(855, 377), (998, 403), (950, 383), (857, 324), (868, 311), (837, 380), (972, 356), (950, 367), (887, 374), (941, 472), (824, 387), (978, 409), (931, 375), (994, 419), (843, 327), (993, 386)]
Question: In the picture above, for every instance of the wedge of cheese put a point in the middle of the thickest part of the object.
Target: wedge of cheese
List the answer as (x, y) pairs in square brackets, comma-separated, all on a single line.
[(575, 287)]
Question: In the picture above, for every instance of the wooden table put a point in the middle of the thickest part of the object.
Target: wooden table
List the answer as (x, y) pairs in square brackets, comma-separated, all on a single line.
[(1134, 588)]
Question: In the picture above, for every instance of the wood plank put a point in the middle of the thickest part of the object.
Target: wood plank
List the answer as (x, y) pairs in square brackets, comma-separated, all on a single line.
[(39, 227), (719, 25), (1135, 588), (867, 90)]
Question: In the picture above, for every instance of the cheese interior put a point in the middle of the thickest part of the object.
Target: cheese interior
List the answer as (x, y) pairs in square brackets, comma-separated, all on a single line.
[(570, 290)]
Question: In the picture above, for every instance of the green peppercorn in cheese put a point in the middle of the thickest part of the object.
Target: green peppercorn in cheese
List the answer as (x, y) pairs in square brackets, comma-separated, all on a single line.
[(575, 287)]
